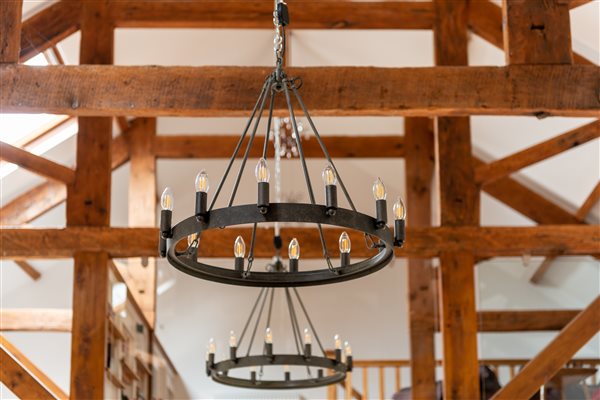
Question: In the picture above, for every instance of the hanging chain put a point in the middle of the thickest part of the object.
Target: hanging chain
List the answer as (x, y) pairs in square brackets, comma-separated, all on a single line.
[(280, 20)]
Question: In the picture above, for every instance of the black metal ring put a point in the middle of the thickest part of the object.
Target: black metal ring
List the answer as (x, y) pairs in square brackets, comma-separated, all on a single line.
[(280, 212), (219, 371)]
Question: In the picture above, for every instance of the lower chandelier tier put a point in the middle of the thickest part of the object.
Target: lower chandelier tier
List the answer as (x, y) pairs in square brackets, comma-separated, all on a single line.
[(241, 274), (336, 371)]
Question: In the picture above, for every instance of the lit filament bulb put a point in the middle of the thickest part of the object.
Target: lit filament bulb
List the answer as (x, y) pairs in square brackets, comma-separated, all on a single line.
[(268, 336), (286, 368), (232, 339), (307, 336), (379, 190), (262, 171), (345, 244), (347, 349), (328, 175), (192, 239), (399, 209), (239, 247), (338, 342), (294, 249), (212, 346), (201, 182), (167, 200)]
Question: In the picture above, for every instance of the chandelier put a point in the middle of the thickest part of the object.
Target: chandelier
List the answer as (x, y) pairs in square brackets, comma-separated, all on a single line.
[(247, 370), (379, 239)]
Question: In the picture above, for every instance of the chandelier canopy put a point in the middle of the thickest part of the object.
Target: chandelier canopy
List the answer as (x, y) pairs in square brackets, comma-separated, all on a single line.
[(378, 237)]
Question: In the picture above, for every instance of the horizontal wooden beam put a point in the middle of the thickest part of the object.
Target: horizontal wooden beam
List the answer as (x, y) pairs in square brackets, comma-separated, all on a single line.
[(48, 27), (36, 164), (36, 319), (529, 320), (231, 91), (246, 14), (221, 146), (498, 169), (421, 242)]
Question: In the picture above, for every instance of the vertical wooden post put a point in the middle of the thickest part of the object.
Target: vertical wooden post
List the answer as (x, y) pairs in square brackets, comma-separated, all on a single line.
[(537, 32), (420, 163), (141, 274), (88, 204), (10, 30), (459, 203)]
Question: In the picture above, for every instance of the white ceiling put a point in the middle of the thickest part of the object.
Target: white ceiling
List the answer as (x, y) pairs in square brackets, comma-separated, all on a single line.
[(371, 312)]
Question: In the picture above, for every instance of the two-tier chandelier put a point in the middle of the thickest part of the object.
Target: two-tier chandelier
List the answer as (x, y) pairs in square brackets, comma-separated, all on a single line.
[(378, 237)]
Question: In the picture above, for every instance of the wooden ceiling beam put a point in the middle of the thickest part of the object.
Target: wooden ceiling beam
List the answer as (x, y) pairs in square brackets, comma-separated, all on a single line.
[(523, 320), (554, 356), (88, 90), (29, 269), (589, 203), (36, 319), (221, 146), (325, 14), (10, 30), (485, 19), (498, 169), (424, 242), (23, 378), (48, 195), (36, 164), (46, 28)]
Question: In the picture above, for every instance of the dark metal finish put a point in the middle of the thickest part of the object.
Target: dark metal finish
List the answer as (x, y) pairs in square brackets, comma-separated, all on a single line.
[(331, 199), (338, 355), (239, 264), (349, 363), (162, 246), (344, 259), (287, 375), (381, 209), (233, 353), (201, 201), (307, 350), (399, 232), (219, 372), (269, 349), (165, 223), (263, 197), (294, 265), (282, 212)]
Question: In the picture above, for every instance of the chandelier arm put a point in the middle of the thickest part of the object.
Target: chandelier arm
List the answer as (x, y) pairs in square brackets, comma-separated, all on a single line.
[(262, 290), (251, 254), (268, 325), (312, 327), (305, 169), (322, 145), (258, 318), (296, 339), (271, 105), (295, 318), (249, 146), (239, 144)]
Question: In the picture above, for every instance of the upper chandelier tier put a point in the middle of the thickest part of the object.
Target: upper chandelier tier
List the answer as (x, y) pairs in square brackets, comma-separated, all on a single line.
[(378, 236)]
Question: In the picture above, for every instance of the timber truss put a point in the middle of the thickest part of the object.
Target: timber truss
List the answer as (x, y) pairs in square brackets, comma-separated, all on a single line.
[(437, 139)]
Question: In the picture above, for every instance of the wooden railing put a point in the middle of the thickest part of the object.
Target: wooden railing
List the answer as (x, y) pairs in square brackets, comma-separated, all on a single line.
[(356, 386)]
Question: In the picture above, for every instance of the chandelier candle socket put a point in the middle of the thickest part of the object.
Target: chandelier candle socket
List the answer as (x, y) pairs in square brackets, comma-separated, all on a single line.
[(262, 177), (232, 346), (330, 181), (380, 240), (345, 246), (399, 222), (239, 251), (202, 186), (307, 343), (268, 342), (294, 254), (338, 347)]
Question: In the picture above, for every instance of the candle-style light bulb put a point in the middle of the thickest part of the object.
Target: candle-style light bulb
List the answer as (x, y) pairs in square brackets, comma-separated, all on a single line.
[(294, 249), (286, 368), (212, 346), (192, 238), (399, 209), (379, 190), (167, 199), (232, 339), (347, 349), (239, 247), (345, 243), (307, 336), (262, 171), (268, 336), (202, 184), (328, 175), (338, 342)]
